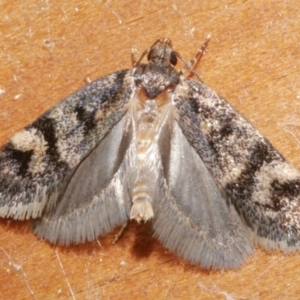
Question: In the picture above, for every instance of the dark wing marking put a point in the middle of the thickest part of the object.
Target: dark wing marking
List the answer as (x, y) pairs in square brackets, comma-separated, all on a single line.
[(255, 178), (35, 163)]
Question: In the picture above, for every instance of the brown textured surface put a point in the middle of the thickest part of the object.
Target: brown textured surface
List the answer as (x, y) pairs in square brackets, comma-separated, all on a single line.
[(48, 50)]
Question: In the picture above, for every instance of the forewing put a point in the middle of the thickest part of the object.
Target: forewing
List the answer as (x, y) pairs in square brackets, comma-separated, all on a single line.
[(37, 161), (193, 219), (255, 178)]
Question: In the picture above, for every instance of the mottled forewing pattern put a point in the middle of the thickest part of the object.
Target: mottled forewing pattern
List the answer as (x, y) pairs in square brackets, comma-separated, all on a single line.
[(36, 162), (263, 188)]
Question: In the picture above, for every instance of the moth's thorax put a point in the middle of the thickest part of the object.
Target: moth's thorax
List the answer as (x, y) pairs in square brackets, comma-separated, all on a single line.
[(150, 117)]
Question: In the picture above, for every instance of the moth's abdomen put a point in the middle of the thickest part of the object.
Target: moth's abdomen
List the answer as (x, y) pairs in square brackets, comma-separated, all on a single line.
[(148, 127)]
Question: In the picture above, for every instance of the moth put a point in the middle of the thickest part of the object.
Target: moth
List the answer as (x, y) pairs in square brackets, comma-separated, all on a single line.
[(151, 145)]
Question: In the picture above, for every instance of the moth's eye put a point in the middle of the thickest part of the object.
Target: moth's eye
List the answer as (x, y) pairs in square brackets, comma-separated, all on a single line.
[(173, 59)]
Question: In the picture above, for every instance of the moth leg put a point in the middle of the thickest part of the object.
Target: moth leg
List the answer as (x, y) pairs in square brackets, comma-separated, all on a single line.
[(120, 233), (191, 64), (200, 52), (133, 60)]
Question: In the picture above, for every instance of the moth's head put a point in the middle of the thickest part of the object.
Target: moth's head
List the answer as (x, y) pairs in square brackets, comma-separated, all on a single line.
[(158, 75), (162, 53)]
